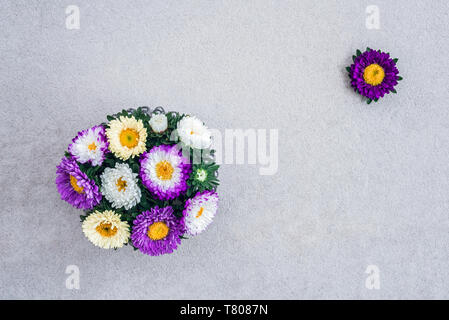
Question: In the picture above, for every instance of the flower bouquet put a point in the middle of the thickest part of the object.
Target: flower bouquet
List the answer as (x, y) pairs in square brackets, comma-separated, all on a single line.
[(147, 179)]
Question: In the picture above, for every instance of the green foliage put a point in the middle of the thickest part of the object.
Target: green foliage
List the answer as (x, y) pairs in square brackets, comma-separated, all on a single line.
[(203, 177)]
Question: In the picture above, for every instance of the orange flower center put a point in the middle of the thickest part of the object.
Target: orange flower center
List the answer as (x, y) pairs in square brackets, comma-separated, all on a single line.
[(129, 138), (200, 212), (121, 184), (164, 170), (75, 185), (374, 74), (106, 230), (92, 146), (158, 231)]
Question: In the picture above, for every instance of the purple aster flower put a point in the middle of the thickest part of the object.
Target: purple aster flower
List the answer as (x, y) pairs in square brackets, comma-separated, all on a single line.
[(157, 231), (373, 74), (164, 171), (90, 145), (75, 187), (199, 211)]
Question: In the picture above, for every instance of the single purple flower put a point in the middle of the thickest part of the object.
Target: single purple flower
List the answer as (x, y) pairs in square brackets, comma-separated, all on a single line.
[(164, 171), (157, 231), (373, 74), (75, 187)]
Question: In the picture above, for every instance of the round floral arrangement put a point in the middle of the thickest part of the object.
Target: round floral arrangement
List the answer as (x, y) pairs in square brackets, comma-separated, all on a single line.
[(373, 74), (147, 179)]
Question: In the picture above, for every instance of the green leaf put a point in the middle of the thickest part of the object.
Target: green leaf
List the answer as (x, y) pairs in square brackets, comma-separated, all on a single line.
[(368, 49), (353, 58), (399, 78), (348, 69), (369, 101), (358, 52), (394, 91), (395, 60)]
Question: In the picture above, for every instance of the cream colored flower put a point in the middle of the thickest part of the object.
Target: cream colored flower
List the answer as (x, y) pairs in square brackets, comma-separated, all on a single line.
[(106, 230), (127, 137)]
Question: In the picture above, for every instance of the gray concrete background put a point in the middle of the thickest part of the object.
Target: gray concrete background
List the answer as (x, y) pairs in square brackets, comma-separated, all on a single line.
[(356, 185)]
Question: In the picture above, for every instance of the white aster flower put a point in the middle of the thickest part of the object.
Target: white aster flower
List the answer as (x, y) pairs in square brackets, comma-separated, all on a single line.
[(199, 211), (158, 123), (90, 146), (193, 133), (106, 230), (164, 171), (127, 137), (119, 186)]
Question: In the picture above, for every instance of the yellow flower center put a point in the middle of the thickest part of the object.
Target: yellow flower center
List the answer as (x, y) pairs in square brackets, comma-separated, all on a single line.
[(75, 185), (92, 146), (374, 74), (158, 231), (121, 184), (164, 170), (129, 138), (191, 132), (200, 212), (106, 230)]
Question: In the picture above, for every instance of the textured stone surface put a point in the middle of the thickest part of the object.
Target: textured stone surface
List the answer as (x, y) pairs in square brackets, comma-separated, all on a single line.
[(356, 185)]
